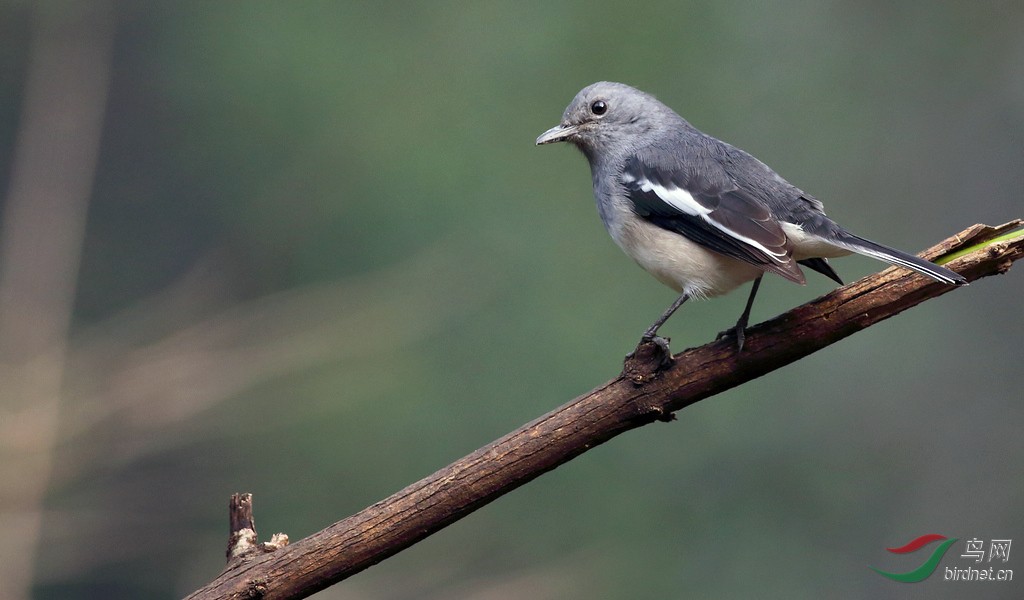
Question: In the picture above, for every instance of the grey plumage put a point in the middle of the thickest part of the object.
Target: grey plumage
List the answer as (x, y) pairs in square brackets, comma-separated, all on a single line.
[(701, 215)]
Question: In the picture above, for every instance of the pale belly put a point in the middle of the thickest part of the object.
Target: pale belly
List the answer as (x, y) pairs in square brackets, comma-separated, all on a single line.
[(679, 263)]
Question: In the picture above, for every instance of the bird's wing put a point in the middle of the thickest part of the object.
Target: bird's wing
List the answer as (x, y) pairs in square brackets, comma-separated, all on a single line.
[(708, 207)]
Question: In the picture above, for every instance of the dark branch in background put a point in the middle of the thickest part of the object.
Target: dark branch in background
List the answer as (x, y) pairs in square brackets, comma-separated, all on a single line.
[(641, 394)]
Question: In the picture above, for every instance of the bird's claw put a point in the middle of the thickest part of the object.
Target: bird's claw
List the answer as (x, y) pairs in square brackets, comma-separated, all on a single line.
[(652, 348), (662, 344), (738, 332)]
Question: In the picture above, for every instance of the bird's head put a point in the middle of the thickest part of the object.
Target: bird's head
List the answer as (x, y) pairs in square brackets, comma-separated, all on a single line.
[(607, 117)]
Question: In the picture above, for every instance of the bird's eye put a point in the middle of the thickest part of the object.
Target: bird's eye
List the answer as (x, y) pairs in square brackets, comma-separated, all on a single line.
[(599, 107)]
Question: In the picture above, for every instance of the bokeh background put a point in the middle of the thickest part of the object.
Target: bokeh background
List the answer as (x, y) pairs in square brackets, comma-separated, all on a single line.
[(309, 251)]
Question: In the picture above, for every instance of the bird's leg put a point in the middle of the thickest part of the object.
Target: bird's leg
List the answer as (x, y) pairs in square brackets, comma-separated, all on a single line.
[(651, 335), (741, 325), (652, 331)]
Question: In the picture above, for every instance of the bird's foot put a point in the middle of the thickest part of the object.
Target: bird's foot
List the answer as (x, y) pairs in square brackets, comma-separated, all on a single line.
[(662, 345), (651, 355), (738, 332)]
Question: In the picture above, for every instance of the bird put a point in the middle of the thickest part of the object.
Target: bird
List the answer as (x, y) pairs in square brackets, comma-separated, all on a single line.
[(700, 215)]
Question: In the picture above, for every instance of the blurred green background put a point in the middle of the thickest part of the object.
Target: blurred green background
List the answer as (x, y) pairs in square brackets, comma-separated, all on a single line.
[(309, 251)]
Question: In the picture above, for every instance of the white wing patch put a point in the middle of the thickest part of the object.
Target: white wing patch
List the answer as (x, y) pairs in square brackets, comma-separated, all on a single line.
[(684, 202), (677, 198)]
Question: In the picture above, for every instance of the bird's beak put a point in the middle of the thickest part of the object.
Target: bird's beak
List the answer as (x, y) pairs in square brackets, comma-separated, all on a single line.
[(558, 133)]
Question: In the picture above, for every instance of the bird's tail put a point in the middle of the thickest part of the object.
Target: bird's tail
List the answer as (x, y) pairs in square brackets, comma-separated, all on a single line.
[(857, 244)]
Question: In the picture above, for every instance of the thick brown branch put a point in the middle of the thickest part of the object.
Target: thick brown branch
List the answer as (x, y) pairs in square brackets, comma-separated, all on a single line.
[(642, 394)]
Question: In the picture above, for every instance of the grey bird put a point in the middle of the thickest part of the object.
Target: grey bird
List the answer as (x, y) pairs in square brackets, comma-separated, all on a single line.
[(702, 216)]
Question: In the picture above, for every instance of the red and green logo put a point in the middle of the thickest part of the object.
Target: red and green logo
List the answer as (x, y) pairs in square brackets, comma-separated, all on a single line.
[(925, 570)]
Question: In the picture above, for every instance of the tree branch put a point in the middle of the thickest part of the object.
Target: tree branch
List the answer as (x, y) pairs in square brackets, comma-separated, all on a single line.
[(643, 393)]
